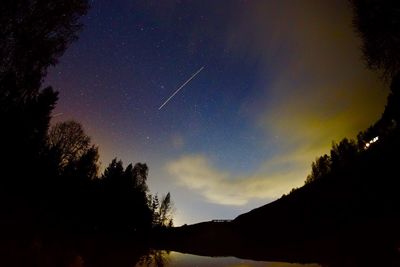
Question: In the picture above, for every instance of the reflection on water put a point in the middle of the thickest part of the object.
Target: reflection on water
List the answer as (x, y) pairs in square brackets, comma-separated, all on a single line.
[(161, 258), (106, 254)]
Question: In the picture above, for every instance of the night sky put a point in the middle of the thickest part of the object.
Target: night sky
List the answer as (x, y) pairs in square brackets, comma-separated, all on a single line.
[(282, 80)]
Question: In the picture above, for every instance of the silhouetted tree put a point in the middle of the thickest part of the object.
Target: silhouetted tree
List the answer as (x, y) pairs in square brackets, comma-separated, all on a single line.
[(113, 172), (125, 195), (33, 35), (154, 203), (391, 114), (87, 165), (127, 203), (165, 211), (162, 212), (343, 153), (320, 168), (378, 24), (140, 172), (69, 144)]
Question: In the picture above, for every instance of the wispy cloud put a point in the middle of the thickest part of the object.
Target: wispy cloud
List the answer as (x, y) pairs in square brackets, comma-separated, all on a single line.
[(195, 172)]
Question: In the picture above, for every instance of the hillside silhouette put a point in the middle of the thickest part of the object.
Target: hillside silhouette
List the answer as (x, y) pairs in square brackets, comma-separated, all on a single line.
[(348, 208)]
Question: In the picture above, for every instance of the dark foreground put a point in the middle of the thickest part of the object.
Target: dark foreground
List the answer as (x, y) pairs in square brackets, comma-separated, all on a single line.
[(73, 251)]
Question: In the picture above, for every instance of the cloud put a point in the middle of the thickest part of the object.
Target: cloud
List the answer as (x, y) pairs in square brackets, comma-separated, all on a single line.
[(195, 172)]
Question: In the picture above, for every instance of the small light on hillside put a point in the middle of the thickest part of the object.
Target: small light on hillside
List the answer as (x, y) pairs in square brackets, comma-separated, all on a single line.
[(373, 140)]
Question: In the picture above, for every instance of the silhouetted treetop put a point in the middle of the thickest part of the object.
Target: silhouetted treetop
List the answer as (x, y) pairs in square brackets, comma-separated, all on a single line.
[(319, 168), (140, 173), (69, 140), (33, 35), (71, 152), (131, 177), (162, 213), (113, 172), (392, 108), (341, 155), (166, 210), (378, 24)]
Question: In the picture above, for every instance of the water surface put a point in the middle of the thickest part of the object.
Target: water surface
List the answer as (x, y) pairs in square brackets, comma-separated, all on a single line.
[(176, 259)]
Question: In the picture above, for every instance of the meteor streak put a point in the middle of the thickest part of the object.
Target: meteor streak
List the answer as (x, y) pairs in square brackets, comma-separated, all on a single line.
[(180, 87)]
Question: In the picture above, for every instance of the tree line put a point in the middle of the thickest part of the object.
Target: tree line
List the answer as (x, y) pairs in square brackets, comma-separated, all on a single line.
[(50, 175), (377, 23)]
